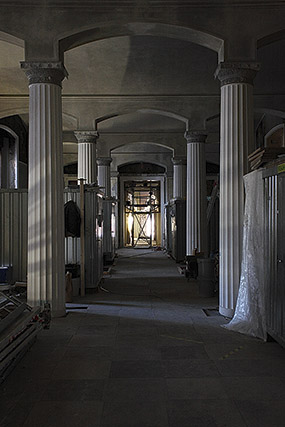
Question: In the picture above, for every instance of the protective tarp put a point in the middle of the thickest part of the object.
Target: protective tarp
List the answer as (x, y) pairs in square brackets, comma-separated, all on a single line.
[(249, 317), (72, 219)]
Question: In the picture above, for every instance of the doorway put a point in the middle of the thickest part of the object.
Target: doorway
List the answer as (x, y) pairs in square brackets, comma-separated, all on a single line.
[(142, 214)]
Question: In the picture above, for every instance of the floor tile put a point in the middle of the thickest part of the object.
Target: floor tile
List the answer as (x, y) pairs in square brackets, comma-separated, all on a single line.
[(254, 388), (193, 368), (196, 388), (17, 415), (89, 353), (138, 414), (74, 390), (262, 413), (71, 414), (246, 367), (136, 352), (204, 413), (135, 389), (92, 340), (193, 351), (82, 369), (137, 369)]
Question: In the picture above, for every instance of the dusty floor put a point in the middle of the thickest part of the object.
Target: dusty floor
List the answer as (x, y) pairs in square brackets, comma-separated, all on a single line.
[(145, 355)]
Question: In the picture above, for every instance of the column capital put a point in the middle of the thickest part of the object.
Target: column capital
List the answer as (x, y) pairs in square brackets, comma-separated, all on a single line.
[(236, 72), (86, 136), (104, 161), (195, 137), (179, 160), (44, 72)]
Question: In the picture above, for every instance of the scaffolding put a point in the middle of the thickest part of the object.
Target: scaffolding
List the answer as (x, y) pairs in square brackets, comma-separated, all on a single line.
[(142, 204)]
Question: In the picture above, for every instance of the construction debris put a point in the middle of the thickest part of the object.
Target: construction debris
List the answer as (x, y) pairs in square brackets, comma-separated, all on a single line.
[(264, 155), (19, 325)]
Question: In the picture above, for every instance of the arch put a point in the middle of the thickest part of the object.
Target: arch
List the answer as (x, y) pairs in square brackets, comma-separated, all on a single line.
[(114, 29), (171, 149), (161, 169), (214, 117), (164, 113), (9, 38), (69, 120), (14, 111), (270, 38), (270, 111), (16, 159), (9, 130), (277, 130)]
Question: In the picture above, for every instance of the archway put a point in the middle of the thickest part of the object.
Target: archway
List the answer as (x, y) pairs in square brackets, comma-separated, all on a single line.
[(9, 157)]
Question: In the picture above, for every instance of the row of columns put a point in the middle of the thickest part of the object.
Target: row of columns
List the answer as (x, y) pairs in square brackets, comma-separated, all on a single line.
[(45, 219)]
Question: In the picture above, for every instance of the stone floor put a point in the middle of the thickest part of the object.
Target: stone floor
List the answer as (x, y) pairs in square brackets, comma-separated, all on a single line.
[(145, 354)]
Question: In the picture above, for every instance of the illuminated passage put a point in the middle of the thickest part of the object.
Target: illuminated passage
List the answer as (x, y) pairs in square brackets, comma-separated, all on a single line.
[(142, 213)]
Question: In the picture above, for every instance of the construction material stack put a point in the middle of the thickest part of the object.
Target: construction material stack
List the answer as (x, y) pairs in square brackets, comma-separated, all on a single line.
[(19, 325), (264, 155)]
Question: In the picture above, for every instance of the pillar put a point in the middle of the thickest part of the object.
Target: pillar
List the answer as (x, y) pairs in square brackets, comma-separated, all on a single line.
[(236, 141), (87, 166), (104, 174), (179, 178), (46, 281), (196, 226)]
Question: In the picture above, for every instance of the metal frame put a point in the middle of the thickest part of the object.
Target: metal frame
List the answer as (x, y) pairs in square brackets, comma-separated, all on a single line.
[(144, 177)]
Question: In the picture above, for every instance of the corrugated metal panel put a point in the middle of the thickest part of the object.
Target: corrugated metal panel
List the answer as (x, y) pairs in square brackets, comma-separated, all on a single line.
[(271, 222), (14, 226), (93, 237), (72, 244), (274, 209)]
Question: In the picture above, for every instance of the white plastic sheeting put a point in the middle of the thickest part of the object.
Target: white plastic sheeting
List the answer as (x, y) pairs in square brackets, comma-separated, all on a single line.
[(250, 312)]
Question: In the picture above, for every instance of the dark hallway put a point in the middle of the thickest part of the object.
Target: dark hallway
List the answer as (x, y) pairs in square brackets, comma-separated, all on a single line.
[(145, 354)]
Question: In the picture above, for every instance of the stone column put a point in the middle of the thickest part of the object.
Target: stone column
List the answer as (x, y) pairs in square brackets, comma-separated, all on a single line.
[(237, 140), (179, 177), (104, 174), (46, 281), (196, 226), (87, 166)]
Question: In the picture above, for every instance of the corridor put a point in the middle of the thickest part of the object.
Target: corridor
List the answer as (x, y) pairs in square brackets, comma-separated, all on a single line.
[(143, 353)]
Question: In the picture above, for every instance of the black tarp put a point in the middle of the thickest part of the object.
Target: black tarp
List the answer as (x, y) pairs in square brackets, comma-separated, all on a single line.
[(72, 219)]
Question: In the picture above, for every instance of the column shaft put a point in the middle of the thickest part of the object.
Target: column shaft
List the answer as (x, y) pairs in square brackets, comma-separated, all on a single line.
[(45, 216), (236, 137), (87, 168), (104, 176), (196, 198), (179, 179)]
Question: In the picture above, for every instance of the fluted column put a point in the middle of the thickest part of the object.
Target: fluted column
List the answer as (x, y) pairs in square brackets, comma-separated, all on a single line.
[(196, 193), (237, 140), (104, 181), (46, 282), (179, 177), (104, 174), (87, 166)]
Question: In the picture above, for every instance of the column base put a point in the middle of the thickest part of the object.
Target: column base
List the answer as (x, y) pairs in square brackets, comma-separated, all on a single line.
[(58, 313), (226, 312)]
